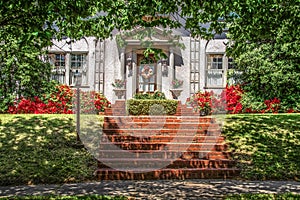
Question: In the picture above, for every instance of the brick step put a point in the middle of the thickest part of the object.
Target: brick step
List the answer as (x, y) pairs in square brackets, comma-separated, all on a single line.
[(116, 153), (156, 163), (167, 146), (162, 132), (156, 125), (185, 173), (147, 118), (162, 138)]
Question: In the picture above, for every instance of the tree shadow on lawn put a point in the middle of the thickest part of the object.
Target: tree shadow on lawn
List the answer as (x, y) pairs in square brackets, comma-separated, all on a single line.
[(266, 146), (42, 149)]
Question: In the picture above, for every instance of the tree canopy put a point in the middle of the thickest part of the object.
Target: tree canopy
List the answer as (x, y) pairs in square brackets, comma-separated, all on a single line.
[(265, 33)]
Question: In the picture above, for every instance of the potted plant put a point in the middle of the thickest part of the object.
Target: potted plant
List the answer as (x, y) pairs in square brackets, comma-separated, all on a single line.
[(176, 91), (119, 83), (201, 102), (119, 90), (176, 83)]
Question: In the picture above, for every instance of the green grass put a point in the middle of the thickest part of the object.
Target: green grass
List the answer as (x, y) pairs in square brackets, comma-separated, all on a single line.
[(266, 146), (87, 197), (39, 149), (287, 196)]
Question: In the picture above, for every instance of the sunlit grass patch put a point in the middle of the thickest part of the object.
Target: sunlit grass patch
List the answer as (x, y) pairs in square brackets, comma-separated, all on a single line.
[(266, 146), (42, 149)]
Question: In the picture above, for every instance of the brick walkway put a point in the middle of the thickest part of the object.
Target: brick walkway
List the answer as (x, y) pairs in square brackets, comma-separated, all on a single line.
[(161, 189)]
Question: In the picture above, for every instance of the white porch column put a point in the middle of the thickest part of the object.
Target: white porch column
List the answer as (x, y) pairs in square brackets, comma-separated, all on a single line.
[(122, 60), (68, 64), (159, 76), (171, 64)]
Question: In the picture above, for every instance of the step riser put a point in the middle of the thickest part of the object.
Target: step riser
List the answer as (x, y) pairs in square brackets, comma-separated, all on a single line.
[(147, 119), (203, 155), (162, 132), (174, 146), (159, 126), (148, 164), (162, 139), (167, 174)]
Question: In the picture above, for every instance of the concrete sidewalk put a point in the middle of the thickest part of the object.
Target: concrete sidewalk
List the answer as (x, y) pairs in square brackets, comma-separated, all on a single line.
[(158, 189)]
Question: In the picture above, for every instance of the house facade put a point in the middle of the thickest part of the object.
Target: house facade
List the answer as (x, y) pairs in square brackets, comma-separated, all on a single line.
[(201, 64)]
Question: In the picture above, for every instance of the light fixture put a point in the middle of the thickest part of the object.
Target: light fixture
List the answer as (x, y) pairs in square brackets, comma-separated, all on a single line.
[(129, 66), (165, 71)]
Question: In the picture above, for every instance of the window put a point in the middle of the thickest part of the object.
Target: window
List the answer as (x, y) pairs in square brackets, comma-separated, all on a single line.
[(58, 62), (214, 70), (78, 65)]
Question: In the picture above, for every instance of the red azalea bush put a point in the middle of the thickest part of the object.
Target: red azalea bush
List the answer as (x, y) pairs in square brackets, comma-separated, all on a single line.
[(231, 97), (273, 105), (202, 101), (92, 102), (60, 101), (233, 100)]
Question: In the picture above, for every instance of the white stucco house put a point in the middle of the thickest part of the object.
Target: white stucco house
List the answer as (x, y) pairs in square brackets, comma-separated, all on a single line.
[(201, 64)]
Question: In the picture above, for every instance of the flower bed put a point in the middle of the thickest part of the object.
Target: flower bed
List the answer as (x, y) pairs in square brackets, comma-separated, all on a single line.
[(60, 101)]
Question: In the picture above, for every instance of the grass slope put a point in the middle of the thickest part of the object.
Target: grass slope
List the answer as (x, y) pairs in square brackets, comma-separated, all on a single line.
[(42, 149), (266, 146)]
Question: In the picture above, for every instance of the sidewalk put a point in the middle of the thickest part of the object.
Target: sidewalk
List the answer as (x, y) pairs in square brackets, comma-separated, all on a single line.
[(158, 189)]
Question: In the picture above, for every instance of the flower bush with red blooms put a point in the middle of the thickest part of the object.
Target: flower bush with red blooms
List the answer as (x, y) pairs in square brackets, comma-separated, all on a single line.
[(273, 105), (201, 101), (60, 101), (231, 97), (92, 102)]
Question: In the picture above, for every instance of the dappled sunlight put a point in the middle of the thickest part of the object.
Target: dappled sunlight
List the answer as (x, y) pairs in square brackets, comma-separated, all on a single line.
[(41, 149), (266, 146), (160, 189)]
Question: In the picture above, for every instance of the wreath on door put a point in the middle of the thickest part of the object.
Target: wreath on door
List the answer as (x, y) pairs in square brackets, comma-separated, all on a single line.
[(147, 72)]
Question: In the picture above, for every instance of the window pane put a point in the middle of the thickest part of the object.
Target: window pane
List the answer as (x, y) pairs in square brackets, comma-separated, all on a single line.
[(214, 70)]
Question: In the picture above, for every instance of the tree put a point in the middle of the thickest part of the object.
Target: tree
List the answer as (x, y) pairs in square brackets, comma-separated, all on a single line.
[(264, 33), (26, 27)]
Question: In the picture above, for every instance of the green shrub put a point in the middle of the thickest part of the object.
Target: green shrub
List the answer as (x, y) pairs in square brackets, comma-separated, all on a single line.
[(151, 107), (156, 95)]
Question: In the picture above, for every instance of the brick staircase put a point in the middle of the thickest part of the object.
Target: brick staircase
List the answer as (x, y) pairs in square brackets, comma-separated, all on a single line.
[(162, 147)]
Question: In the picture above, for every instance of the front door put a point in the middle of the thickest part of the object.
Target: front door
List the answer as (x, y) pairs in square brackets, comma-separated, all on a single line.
[(146, 73)]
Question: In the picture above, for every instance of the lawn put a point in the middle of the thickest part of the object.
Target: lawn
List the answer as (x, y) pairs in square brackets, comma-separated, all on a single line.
[(42, 149), (39, 149), (266, 146)]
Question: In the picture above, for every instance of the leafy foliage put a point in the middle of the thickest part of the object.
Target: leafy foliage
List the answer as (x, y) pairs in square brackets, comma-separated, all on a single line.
[(264, 37), (158, 95), (151, 107)]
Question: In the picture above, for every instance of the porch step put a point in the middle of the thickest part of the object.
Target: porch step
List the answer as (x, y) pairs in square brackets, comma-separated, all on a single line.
[(183, 173), (154, 163), (181, 146), (155, 138), (166, 146), (117, 153)]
